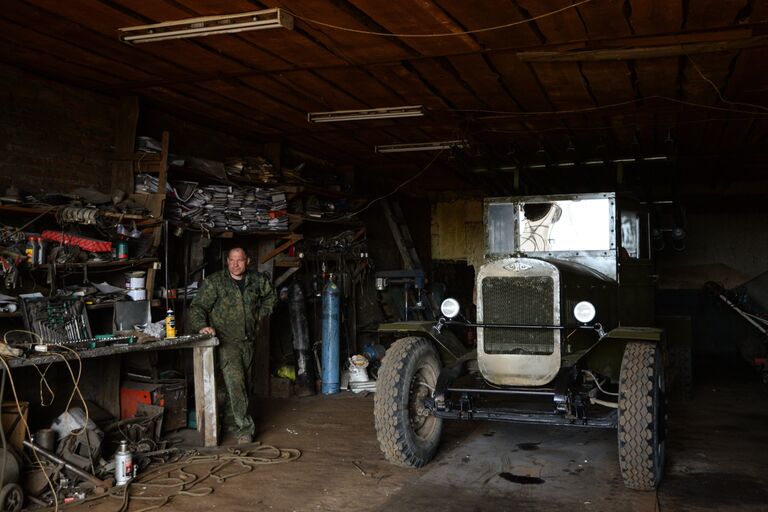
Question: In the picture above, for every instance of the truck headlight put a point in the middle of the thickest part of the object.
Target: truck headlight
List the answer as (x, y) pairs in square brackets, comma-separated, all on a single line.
[(584, 312), (450, 308)]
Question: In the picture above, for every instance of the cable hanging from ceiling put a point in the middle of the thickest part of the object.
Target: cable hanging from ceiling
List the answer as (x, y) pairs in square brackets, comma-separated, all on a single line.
[(607, 106), (462, 33)]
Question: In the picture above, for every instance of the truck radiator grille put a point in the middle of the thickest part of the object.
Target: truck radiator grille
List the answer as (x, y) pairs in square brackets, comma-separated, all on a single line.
[(523, 301)]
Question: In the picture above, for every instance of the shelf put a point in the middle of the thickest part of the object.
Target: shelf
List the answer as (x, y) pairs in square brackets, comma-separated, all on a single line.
[(117, 264), (29, 210), (51, 210)]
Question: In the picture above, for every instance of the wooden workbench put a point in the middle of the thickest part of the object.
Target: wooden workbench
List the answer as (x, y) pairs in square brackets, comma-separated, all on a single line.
[(203, 360)]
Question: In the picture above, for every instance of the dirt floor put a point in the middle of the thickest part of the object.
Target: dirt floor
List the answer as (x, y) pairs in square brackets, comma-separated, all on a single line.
[(716, 461)]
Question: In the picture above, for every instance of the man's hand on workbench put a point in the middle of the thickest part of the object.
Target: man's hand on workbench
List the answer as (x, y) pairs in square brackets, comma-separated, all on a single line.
[(208, 330)]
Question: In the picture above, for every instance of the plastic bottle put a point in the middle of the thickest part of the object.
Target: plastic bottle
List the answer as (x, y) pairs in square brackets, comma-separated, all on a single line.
[(170, 324), (123, 464), (40, 251), (30, 250)]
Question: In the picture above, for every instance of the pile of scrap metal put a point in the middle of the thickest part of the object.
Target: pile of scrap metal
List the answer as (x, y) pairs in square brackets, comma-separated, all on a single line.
[(66, 462)]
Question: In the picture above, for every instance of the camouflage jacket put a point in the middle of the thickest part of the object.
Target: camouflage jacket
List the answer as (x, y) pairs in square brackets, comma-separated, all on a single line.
[(234, 315)]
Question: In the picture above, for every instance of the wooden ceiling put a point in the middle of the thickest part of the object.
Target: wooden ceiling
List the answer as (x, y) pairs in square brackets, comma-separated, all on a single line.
[(599, 79)]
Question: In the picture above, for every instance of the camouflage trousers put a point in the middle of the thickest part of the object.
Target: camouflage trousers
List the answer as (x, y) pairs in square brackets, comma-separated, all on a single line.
[(235, 360)]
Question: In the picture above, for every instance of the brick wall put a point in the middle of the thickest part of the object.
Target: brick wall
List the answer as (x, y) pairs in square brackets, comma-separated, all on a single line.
[(58, 138), (53, 136)]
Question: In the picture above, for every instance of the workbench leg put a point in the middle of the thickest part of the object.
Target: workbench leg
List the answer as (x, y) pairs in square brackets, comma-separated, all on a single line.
[(205, 395)]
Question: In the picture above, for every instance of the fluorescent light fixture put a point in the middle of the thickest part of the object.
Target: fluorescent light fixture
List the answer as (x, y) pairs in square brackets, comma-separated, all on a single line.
[(365, 114), (595, 162), (422, 146), (207, 26)]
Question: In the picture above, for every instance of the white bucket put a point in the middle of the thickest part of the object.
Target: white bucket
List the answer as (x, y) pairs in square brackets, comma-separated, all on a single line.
[(135, 280), (138, 294)]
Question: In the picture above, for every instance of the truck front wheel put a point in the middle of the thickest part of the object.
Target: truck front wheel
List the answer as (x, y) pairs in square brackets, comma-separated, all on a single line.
[(642, 420), (408, 434)]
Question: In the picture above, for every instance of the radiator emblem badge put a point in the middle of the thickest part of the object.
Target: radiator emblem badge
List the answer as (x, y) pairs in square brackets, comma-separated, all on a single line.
[(517, 267)]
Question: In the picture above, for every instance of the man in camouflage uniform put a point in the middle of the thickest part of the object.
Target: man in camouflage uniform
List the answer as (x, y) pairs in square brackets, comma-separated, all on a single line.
[(229, 305)]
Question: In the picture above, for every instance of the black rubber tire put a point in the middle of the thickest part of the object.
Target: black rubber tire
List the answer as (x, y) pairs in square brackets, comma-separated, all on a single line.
[(642, 420), (408, 434), (11, 498)]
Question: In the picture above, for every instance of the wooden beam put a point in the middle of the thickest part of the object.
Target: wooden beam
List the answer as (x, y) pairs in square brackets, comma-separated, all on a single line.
[(650, 52), (285, 275), (292, 239)]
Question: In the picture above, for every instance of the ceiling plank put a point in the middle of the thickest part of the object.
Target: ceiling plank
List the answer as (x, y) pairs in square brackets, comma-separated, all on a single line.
[(492, 13), (51, 66), (609, 81), (521, 81), (320, 89), (358, 83), (196, 110), (743, 85), (354, 47), (407, 85), (605, 19), (712, 14), (262, 108), (699, 71), (81, 36), (656, 17), (485, 83), (564, 85), (441, 77), (657, 77), (408, 17), (558, 28), (31, 38)]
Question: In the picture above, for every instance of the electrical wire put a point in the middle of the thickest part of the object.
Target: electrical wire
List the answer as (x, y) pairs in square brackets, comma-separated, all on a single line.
[(452, 34), (75, 390), (597, 383), (46, 212), (26, 429), (371, 203), (717, 89), (508, 113)]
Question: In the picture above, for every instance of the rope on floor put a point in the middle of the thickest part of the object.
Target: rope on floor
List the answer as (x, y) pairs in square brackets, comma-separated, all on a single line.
[(160, 485)]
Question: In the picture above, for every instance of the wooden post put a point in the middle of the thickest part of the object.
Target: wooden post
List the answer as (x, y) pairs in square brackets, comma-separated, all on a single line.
[(125, 139), (273, 152), (261, 352), (205, 394)]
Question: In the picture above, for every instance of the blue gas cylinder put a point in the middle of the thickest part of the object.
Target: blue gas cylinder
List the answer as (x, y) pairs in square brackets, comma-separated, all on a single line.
[(331, 331)]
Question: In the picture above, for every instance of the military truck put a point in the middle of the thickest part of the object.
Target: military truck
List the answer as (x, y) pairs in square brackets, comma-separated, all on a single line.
[(564, 333)]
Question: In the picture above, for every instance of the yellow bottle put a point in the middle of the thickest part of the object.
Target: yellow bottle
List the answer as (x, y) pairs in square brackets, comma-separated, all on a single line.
[(170, 324)]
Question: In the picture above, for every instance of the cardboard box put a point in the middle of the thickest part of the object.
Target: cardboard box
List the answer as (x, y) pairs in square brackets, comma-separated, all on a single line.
[(12, 424)]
